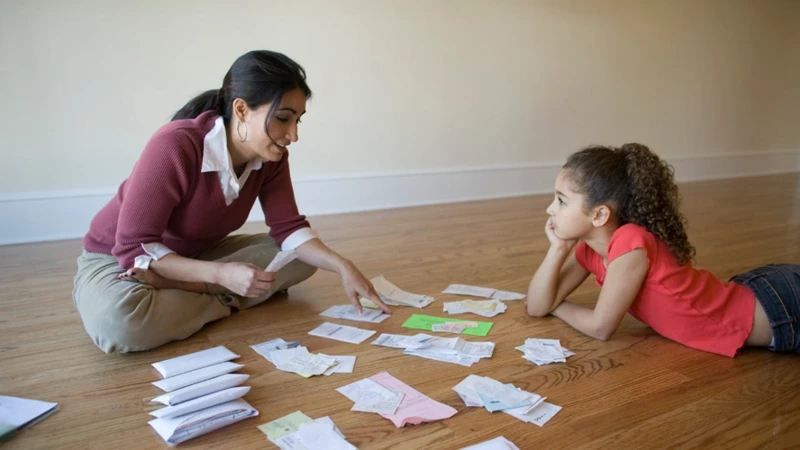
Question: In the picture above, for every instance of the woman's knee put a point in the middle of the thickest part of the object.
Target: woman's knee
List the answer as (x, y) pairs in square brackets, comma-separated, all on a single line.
[(121, 325)]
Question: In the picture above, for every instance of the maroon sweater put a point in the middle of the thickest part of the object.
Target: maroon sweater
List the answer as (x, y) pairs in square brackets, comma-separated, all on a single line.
[(167, 199)]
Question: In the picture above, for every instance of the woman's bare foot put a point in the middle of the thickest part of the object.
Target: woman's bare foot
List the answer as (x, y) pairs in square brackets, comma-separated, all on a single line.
[(145, 277)]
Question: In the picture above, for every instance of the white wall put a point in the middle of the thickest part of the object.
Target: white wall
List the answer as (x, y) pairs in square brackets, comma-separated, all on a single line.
[(402, 88)]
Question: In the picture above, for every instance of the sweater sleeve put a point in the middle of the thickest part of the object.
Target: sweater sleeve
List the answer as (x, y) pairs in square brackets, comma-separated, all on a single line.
[(158, 183), (279, 205)]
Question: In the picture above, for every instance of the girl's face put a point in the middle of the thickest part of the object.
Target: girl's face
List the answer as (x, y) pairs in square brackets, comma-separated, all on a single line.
[(568, 216), (282, 126)]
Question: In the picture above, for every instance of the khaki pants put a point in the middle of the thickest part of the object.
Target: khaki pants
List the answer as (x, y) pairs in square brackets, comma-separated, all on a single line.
[(127, 316)]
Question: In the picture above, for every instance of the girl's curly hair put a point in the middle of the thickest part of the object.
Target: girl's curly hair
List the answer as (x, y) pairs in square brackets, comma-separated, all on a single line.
[(638, 185)]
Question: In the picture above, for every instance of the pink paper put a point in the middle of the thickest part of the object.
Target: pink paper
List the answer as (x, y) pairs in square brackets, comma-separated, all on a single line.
[(415, 407)]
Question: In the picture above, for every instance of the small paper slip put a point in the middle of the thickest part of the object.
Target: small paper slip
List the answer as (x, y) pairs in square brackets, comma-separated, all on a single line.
[(280, 261), (505, 296), (495, 396), (200, 389), (463, 289), (321, 433), (344, 364), (380, 400), (403, 341), (544, 351), (342, 333), (266, 348), (196, 376), (17, 414), (203, 402), (498, 443), (485, 308), (284, 425), (179, 429), (451, 327), (300, 361), (414, 407), (393, 295), (348, 312), (193, 361), (423, 322)]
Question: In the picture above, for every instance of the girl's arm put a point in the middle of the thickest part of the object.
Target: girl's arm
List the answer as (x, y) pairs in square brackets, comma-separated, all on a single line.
[(624, 278), (557, 276)]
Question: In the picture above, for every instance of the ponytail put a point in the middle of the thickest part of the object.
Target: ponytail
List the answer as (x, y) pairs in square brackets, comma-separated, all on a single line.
[(207, 101), (639, 186)]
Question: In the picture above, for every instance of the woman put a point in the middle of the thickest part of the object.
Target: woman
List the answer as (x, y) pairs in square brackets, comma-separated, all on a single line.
[(158, 263)]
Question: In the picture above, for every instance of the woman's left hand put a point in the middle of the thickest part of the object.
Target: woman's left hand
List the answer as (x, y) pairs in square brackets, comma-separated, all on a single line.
[(355, 284)]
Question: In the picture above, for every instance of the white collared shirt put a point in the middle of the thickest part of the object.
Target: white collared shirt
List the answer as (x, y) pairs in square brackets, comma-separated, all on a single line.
[(216, 158)]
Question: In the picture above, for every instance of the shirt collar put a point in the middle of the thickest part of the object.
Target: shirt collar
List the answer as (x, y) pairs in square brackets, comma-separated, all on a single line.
[(216, 157)]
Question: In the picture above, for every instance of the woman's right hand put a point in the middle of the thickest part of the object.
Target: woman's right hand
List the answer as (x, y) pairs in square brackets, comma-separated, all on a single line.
[(245, 279), (556, 241)]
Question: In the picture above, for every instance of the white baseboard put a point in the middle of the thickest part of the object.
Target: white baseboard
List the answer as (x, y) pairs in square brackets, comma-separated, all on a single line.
[(48, 216)]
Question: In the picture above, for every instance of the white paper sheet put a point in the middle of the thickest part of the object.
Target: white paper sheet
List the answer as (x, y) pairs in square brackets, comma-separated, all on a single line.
[(193, 361), (463, 289), (203, 402), (196, 376), (343, 333), (498, 443), (219, 383), (280, 261), (179, 429), (18, 412), (348, 312)]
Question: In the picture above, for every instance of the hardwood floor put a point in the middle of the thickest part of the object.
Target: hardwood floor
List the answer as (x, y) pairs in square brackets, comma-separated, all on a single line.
[(637, 390)]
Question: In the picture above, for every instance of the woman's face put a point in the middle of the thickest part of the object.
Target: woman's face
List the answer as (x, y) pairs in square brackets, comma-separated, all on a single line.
[(282, 126)]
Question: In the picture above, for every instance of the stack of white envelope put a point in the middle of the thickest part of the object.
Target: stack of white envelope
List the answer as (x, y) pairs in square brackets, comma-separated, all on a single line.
[(202, 395), (544, 351), (495, 396), (452, 350), (293, 357), (485, 308)]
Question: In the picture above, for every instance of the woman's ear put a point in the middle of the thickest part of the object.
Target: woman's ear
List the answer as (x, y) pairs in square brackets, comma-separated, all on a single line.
[(601, 215), (240, 109)]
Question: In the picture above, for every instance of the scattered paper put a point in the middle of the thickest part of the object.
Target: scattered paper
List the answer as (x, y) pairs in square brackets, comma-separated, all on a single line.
[(280, 261), (284, 425), (485, 308), (290, 433), (344, 364), (298, 360), (449, 350), (544, 351), (200, 389), (203, 402), (505, 296), (179, 429), (453, 327), (193, 361), (342, 333), (463, 289), (17, 414), (266, 348), (414, 407), (495, 396), (498, 443), (423, 322), (349, 312), (403, 341), (393, 295), (372, 397), (196, 376)]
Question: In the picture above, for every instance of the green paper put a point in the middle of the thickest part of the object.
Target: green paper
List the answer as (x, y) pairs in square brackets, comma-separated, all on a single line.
[(423, 322), (285, 425)]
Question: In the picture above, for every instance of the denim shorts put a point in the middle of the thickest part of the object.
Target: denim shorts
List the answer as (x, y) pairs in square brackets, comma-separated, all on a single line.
[(777, 288)]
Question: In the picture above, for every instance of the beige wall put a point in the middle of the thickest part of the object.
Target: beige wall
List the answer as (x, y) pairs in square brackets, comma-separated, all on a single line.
[(401, 84)]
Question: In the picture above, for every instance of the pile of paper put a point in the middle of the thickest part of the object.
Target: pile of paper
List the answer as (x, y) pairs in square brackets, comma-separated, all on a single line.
[(454, 327), (498, 443), (202, 395), (393, 295), (477, 291), (17, 414), (485, 308), (425, 322), (544, 351), (297, 431), (495, 396), (342, 333), (382, 393), (450, 350), (348, 312), (293, 357)]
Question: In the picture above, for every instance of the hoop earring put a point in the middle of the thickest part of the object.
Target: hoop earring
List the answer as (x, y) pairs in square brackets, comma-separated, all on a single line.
[(238, 133)]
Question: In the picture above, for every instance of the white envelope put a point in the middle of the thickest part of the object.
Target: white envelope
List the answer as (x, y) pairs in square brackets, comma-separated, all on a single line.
[(203, 388), (197, 404), (196, 376), (180, 429), (192, 361)]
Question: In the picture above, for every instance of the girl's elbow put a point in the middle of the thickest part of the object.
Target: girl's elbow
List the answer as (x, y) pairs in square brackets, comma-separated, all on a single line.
[(533, 311)]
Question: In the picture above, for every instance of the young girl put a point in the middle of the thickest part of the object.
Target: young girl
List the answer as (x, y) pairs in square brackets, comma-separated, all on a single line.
[(158, 262), (615, 215)]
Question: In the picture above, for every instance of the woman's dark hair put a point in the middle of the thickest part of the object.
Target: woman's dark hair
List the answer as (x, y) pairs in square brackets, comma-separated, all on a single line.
[(638, 185), (258, 77)]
